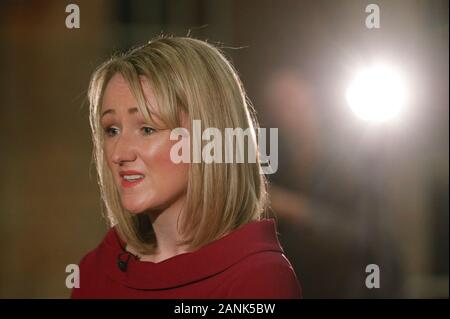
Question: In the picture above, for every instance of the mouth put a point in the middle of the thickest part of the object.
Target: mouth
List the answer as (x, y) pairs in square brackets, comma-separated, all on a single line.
[(131, 179)]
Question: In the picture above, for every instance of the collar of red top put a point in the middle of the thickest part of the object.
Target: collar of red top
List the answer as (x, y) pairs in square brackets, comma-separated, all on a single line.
[(211, 259)]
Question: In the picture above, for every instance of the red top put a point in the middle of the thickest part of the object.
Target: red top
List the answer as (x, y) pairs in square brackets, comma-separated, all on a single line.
[(246, 263)]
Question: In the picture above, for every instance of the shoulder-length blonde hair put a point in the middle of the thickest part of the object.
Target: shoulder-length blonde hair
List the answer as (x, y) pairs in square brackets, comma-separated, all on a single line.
[(191, 76)]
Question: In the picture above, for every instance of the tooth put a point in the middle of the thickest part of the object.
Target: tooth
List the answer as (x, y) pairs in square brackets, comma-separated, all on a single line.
[(133, 177)]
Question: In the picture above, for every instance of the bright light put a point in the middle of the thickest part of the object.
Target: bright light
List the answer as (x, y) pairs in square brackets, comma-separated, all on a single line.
[(376, 94)]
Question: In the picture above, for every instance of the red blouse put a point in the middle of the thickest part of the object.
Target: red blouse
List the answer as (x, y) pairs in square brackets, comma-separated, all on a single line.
[(246, 263)]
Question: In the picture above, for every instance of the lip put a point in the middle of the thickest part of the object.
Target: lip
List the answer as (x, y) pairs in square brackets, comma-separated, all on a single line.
[(128, 184)]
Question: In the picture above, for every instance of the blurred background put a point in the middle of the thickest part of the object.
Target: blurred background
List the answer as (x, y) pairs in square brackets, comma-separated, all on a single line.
[(348, 192)]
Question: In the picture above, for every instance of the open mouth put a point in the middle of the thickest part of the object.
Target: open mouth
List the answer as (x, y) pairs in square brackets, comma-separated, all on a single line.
[(132, 180)]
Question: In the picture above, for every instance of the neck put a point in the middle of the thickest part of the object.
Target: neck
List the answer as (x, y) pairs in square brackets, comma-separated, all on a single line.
[(164, 223)]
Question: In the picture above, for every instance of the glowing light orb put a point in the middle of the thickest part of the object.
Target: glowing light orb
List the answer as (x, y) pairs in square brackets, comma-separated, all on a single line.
[(376, 94)]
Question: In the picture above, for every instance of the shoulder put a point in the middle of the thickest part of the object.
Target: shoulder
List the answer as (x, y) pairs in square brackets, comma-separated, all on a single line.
[(110, 240), (266, 274), (90, 266)]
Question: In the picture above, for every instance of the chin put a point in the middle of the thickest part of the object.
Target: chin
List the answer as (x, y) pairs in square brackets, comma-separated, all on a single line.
[(136, 205), (139, 207), (134, 211), (134, 208)]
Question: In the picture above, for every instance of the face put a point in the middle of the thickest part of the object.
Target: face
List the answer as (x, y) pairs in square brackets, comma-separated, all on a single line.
[(139, 154)]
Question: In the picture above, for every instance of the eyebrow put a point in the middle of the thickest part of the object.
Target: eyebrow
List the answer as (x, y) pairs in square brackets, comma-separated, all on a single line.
[(111, 111)]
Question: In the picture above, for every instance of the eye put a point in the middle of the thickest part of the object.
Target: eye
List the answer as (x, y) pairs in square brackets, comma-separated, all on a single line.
[(110, 131), (148, 130)]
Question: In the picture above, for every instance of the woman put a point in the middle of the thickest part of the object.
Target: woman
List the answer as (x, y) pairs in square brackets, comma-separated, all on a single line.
[(179, 230)]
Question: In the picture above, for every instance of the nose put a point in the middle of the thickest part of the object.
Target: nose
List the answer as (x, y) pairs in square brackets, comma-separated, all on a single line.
[(124, 150)]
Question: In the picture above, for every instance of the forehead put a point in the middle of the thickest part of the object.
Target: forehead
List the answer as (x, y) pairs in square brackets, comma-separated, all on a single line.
[(118, 94)]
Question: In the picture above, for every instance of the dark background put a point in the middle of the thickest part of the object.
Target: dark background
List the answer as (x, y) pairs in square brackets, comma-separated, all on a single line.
[(347, 193)]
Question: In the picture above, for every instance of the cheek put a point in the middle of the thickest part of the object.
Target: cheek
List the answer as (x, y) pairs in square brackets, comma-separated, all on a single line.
[(107, 153), (159, 163)]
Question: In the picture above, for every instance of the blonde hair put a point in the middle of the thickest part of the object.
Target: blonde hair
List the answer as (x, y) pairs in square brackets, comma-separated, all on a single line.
[(191, 76)]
